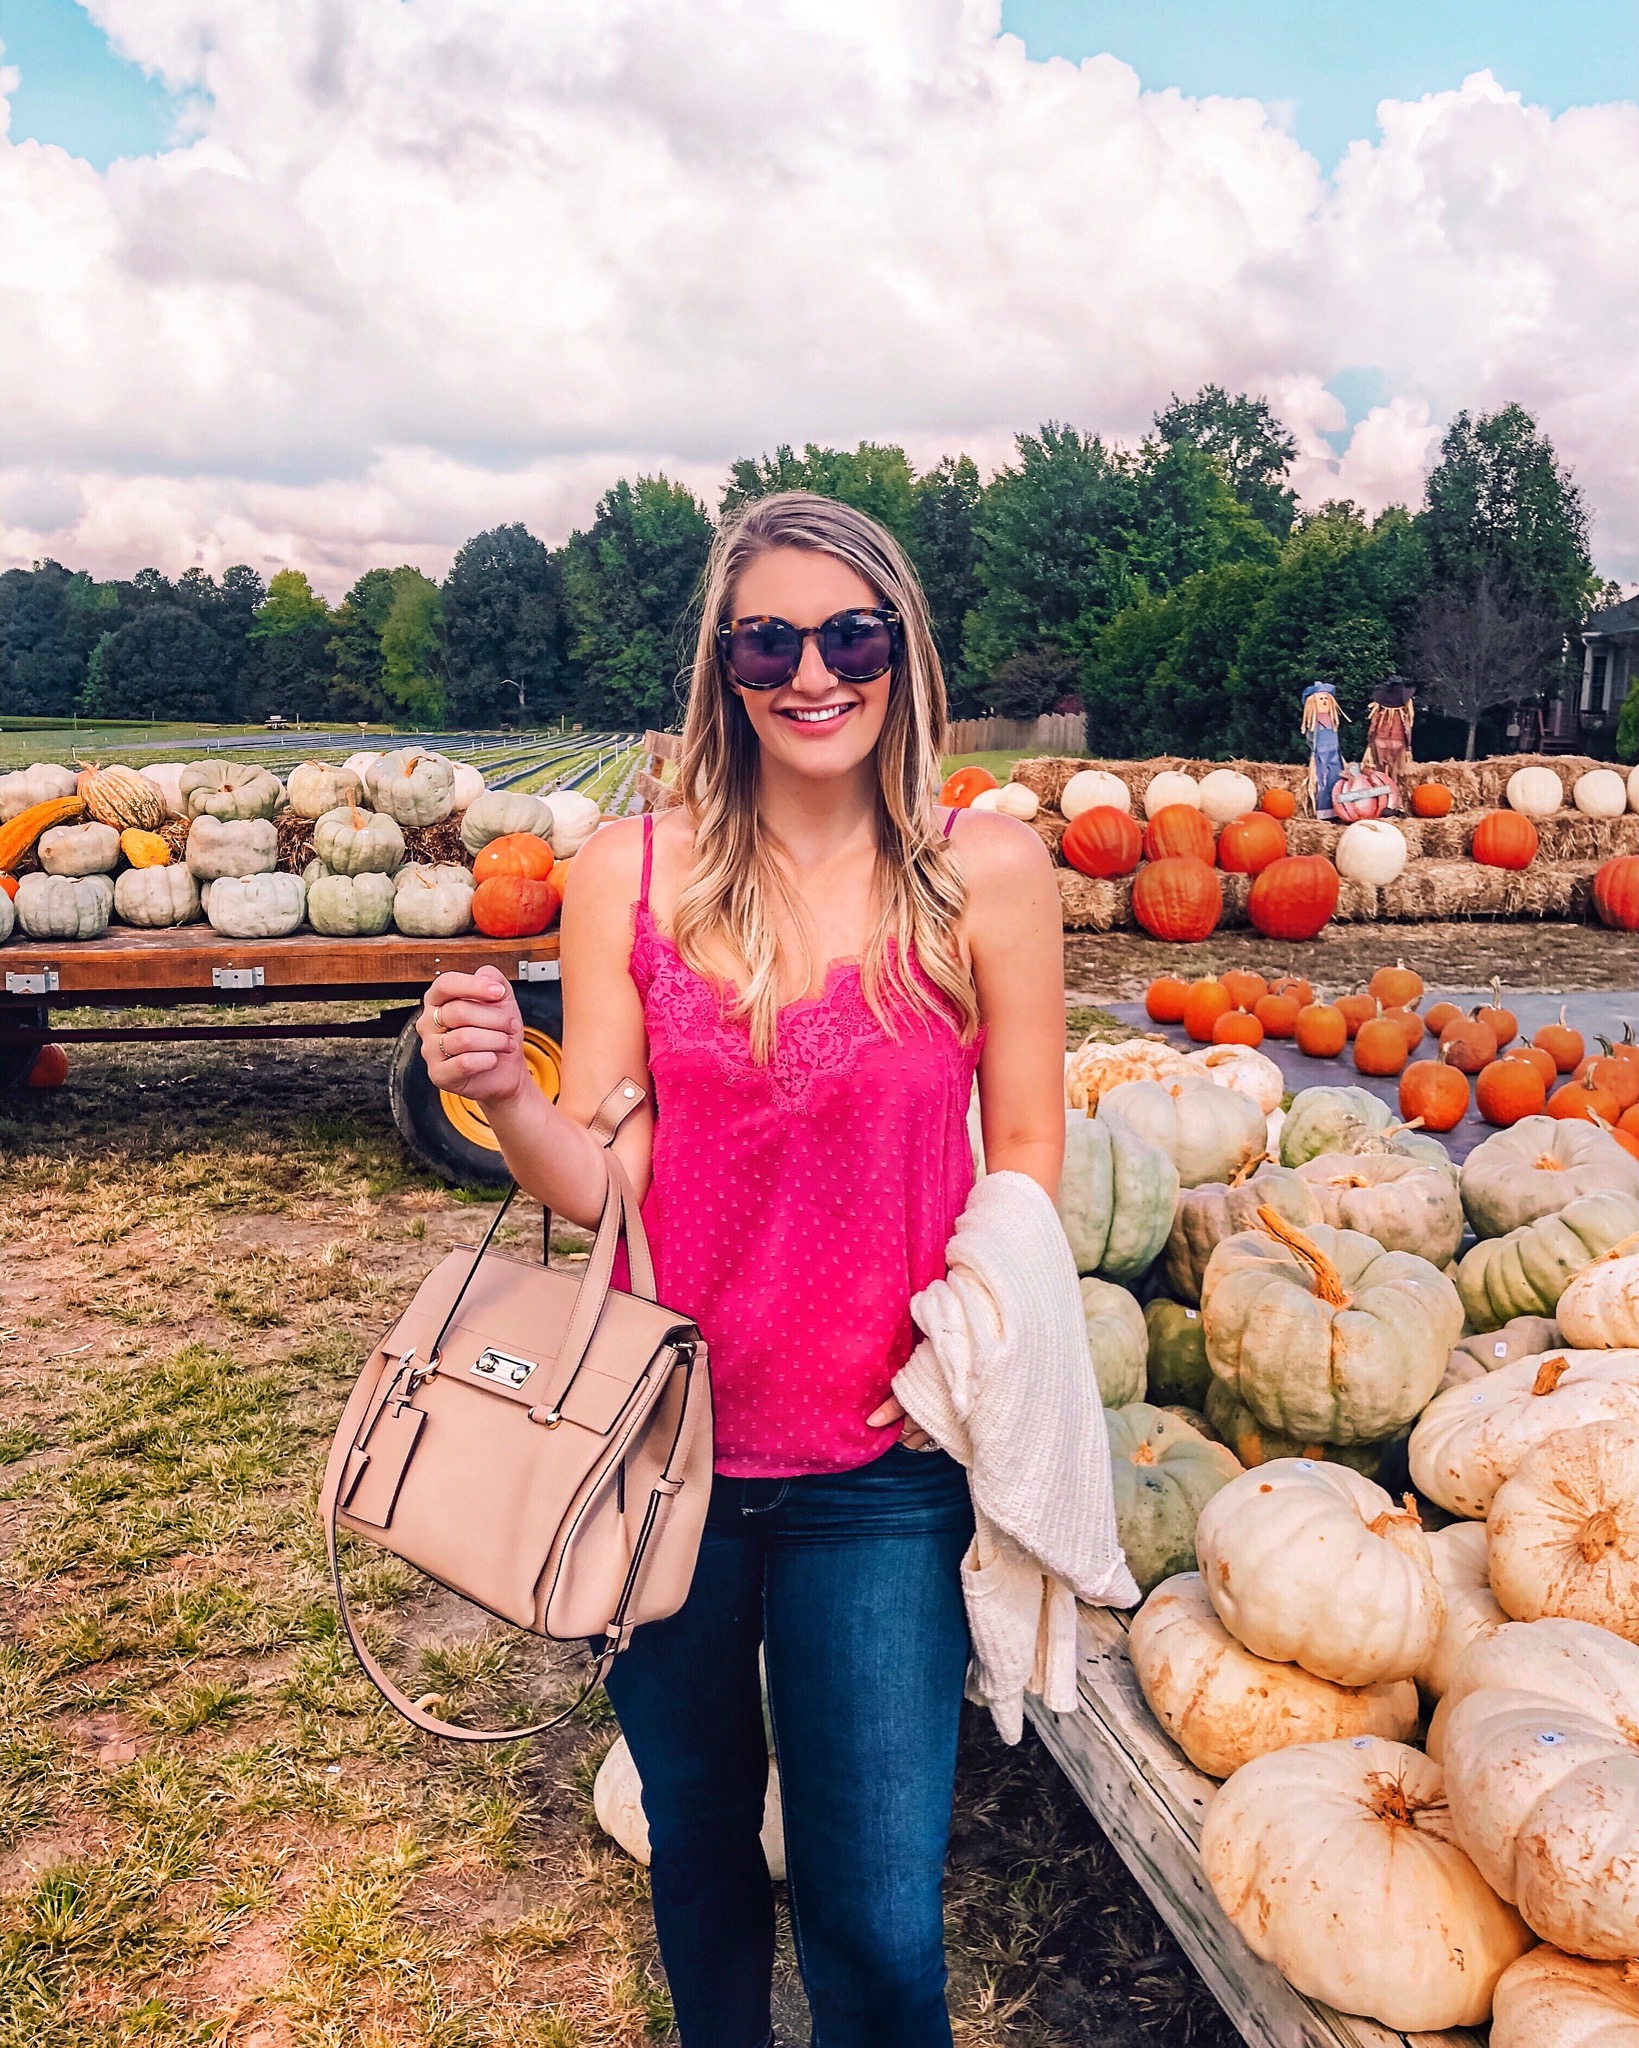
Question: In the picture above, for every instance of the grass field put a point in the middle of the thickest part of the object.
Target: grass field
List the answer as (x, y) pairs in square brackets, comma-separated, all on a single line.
[(211, 1831)]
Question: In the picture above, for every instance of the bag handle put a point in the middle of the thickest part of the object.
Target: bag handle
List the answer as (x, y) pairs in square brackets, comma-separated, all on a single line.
[(666, 1489)]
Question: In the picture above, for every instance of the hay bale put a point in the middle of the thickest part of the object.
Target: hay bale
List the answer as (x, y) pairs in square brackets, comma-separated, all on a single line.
[(1442, 890), (1569, 836), (1094, 906), (1312, 835), (1236, 890), (1462, 778), (1046, 776), (1448, 838), (1357, 902), (295, 836), (1050, 829), (1494, 771)]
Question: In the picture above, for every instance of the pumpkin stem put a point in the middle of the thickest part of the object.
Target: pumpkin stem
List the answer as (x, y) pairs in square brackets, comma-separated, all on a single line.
[(1144, 1455), (1388, 1800), (1619, 1251), (1547, 1164), (1327, 1282), (1599, 1532), (1247, 1168), (1550, 1372), (357, 816)]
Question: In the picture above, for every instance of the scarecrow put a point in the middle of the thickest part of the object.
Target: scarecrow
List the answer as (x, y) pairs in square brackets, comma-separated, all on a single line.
[(1321, 719), (1389, 718)]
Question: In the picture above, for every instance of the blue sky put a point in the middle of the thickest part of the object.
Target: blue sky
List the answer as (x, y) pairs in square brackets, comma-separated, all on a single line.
[(1329, 61)]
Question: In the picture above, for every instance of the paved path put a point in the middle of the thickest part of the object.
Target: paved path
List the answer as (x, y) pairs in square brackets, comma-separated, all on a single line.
[(1590, 1013)]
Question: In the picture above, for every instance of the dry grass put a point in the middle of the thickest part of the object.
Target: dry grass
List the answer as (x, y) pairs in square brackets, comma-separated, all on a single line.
[(211, 1830)]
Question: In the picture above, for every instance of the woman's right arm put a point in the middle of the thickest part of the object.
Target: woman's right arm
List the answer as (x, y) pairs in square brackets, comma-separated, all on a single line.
[(478, 1051)]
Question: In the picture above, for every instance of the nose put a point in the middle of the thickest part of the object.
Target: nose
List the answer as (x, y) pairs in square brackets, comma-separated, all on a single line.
[(812, 675)]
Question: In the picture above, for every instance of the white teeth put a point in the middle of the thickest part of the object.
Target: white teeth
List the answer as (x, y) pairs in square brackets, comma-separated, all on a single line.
[(820, 717)]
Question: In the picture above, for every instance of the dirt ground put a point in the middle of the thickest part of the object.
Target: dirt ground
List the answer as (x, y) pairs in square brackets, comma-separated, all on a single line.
[(1118, 966), (211, 1831)]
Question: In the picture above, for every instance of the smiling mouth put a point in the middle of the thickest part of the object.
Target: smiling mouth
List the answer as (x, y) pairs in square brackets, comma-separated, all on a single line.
[(820, 715)]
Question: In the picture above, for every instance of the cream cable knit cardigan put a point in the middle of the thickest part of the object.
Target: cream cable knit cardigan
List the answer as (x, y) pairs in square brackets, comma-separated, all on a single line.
[(1004, 1382)]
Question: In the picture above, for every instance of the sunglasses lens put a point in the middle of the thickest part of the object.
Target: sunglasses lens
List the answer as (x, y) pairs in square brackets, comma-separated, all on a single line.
[(764, 653), (856, 646)]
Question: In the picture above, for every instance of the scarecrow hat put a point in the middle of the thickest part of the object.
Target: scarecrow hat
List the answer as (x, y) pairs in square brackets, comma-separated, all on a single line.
[(1394, 693)]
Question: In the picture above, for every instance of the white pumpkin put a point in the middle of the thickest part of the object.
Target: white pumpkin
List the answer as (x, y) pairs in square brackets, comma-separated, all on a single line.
[(1312, 1564), (64, 906), (154, 898), (574, 819), (617, 1803), (1225, 793), (166, 776), (1335, 1861), (1535, 792), (315, 787), (39, 783), (1171, 786), (361, 764), (1600, 793), (231, 846), (1223, 1706), (1551, 2000), (1243, 1068), (268, 906), (1098, 1065), (1564, 1530), (89, 849), (414, 787), (1371, 850), (468, 785), (429, 903), (1092, 786), (1599, 1310), (1458, 1554), (499, 812), (1541, 1747), (1209, 1133), (1471, 1438), (1013, 800)]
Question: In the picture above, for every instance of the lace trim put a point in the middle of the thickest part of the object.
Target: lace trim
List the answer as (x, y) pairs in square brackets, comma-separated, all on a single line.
[(818, 1035)]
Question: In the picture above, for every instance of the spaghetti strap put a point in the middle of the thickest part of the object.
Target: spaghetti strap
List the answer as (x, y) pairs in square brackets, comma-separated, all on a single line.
[(950, 822), (648, 857)]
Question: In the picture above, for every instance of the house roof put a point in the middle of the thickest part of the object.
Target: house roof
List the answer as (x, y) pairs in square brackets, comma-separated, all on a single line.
[(1615, 618)]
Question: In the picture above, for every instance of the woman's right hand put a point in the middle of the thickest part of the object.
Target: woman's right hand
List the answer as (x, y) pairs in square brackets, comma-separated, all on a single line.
[(472, 1036)]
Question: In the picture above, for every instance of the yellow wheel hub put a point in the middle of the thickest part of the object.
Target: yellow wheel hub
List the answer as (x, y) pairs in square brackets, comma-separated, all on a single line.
[(541, 1058)]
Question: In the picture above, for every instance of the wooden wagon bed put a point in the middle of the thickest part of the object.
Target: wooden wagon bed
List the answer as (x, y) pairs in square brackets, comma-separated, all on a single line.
[(1151, 1802)]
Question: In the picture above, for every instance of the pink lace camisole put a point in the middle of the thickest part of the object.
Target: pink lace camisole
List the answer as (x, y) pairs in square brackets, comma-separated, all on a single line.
[(795, 1207)]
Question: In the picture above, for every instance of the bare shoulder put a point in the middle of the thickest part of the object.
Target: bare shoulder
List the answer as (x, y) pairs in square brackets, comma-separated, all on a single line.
[(999, 856), (610, 860)]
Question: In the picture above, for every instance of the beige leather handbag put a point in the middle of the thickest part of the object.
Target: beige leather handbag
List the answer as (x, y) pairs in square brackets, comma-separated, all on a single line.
[(540, 1445)]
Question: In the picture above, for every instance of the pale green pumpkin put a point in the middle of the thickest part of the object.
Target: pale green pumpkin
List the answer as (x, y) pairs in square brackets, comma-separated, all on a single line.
[(1209, 1133), (90, 849), (350, 906), (317, 786), (1254, 1443), (1164, 1474), (1206, 1215), (256, 906), (412, 785), (229, 790), (1525, 1273), (1472, 1357), (500, 812), (1536, 1168), (64, 906), (1325, 1335), (1116, 1196), (1117, 1341), (1322, 1119), (8, 917), (154, 898), (354, 842), (434, 903), (233, 847), (1406, 1205), (1176, 1370)]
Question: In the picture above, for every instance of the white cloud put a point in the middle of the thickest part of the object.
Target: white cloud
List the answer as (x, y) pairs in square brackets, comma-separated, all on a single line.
[(427, 266)]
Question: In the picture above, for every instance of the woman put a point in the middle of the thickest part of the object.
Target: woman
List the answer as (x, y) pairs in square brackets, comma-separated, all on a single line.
[(810, 964)]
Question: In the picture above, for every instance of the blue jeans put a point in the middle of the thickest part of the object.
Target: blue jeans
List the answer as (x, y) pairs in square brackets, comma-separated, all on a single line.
[(850, 1580)]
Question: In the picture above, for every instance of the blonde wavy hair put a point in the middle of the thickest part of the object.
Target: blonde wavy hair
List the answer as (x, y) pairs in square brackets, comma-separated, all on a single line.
[(740, 872)]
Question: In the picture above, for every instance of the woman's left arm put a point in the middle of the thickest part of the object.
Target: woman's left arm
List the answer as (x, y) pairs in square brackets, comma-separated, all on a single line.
[(1015, 934)]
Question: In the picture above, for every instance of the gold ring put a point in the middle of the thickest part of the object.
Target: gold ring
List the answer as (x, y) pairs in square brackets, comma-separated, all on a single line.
[(437, 1014)]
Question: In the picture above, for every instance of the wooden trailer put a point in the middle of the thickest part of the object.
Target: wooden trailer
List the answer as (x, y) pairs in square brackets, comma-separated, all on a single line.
[(131, 970)]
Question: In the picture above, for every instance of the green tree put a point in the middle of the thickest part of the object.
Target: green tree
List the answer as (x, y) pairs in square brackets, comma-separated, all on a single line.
[(1051, 533), (50, 620), (1499, 498), (1156, 678), (628, 583), (875, 477), (288, 667), (944, 506), (290, 605), (412, 649), (1243, 436), (506, 631), (164, 663), (1186, 517), (355, 648)]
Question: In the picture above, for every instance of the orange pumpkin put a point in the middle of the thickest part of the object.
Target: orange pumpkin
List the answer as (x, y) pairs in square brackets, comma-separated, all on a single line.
[(1561, 1043), (1398, 987), (1410, 1023), (1584, 1102), (1626, 1139), (962, 785), (1618, 1078), (1356, 1010), (1295, 986), (1178, 831), (1439, 1015), (516, 906), (1165, 998), (1504, 839), (1431, 800), (1508, 1089), (1249, 843), (1321, 1031), (1245, 989), (1534, 1056), (1504, 1024), (1102, 842), (1178, 898), (1468, 1044), (1278, 1015), (50, 1068), (1380, 1046), (1435, 1091), (1294, 897), (1624, 1049), (1616, 893), (1237, 1027), (1207, 1001), (518, 854), (9, 884), (1629, 1121), (1278, 803)]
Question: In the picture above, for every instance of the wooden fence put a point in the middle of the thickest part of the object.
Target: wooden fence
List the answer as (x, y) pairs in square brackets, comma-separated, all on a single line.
[(1063, 732)]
